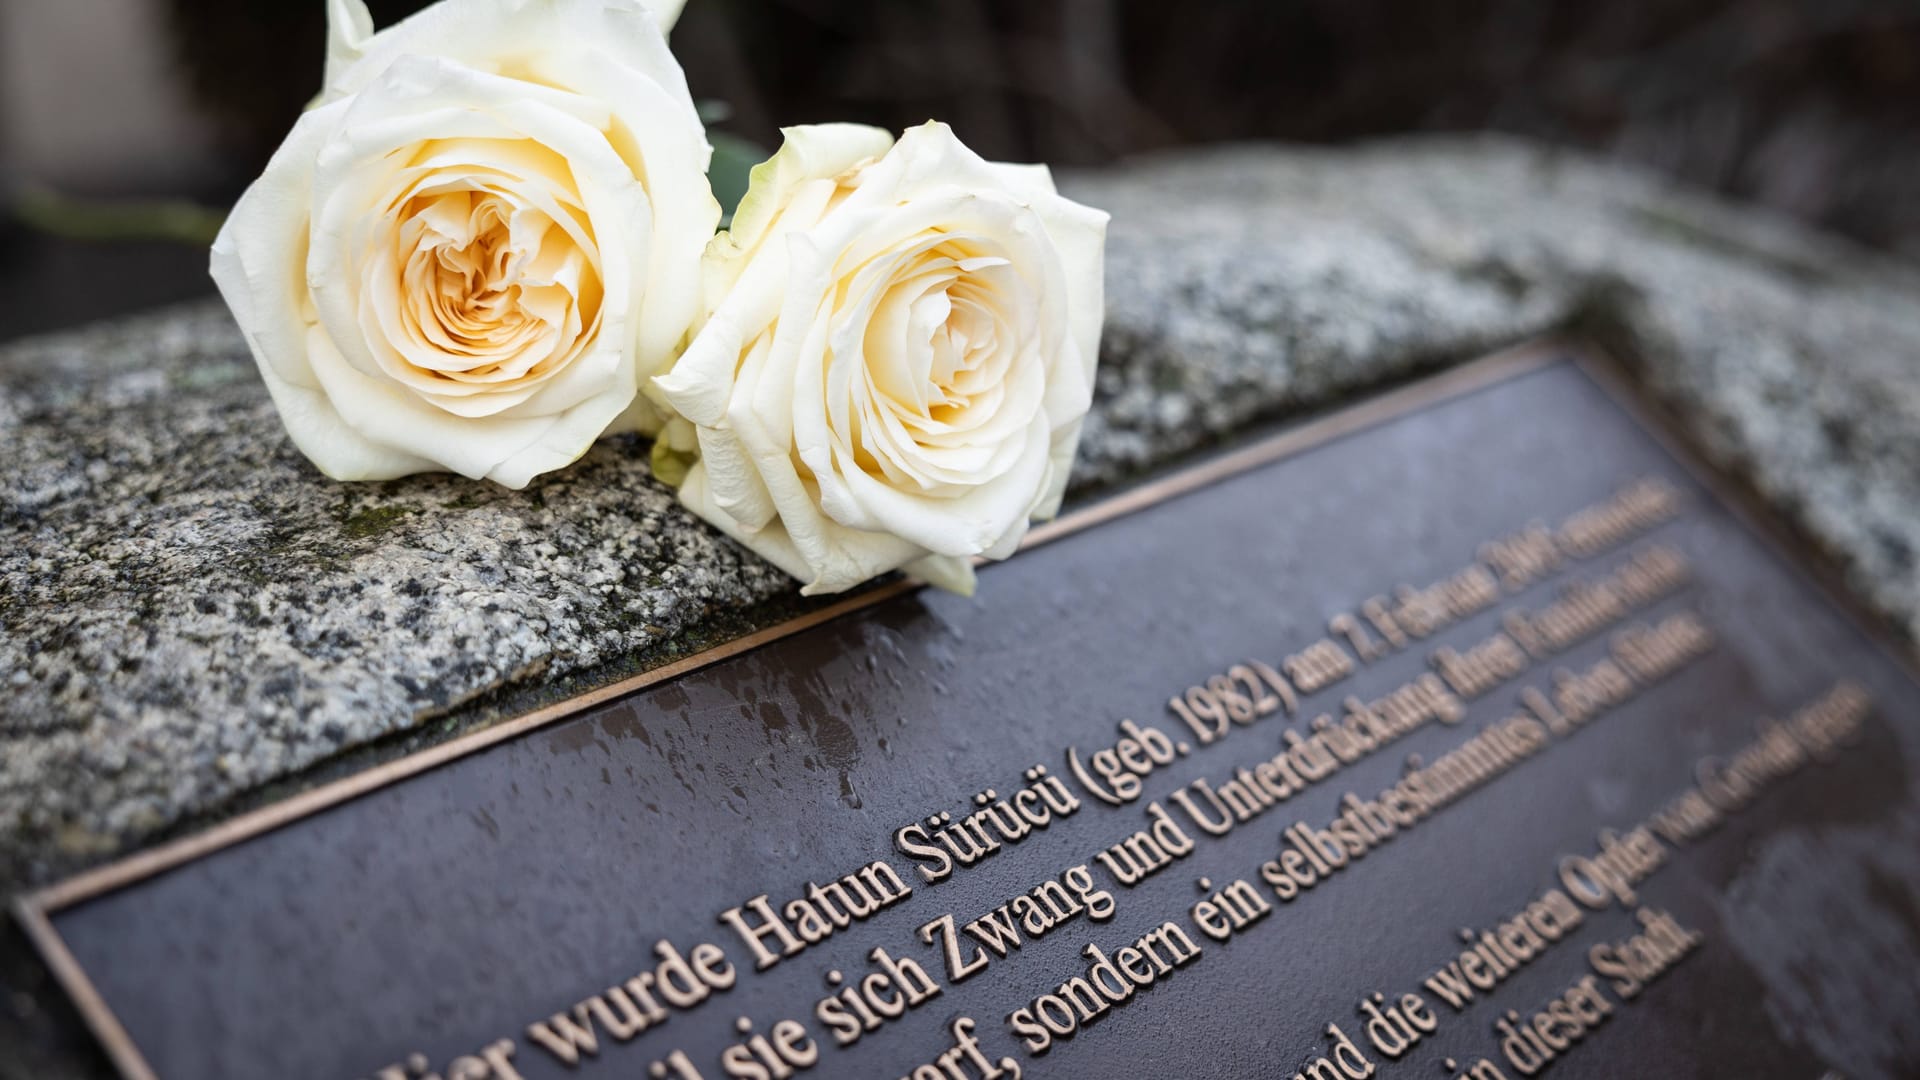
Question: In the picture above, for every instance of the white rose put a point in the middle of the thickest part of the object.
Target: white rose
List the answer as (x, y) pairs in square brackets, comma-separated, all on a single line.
[(479, 241), (899, 355)]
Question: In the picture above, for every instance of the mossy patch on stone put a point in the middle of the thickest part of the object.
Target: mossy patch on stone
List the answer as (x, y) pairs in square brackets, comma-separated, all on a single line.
[(374, 521)]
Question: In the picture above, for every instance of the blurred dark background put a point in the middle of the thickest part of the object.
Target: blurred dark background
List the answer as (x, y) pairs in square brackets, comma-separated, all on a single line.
[(119, 117)]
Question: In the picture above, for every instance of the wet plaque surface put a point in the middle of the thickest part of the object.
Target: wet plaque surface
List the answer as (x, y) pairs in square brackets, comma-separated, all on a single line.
[(1470, 735)]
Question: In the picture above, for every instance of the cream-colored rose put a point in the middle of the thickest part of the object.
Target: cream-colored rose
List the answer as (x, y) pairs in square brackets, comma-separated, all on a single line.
[(479, 241), (899, 355)]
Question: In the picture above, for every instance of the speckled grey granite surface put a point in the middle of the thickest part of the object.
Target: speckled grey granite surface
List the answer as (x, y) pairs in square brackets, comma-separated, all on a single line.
[(188, 612)]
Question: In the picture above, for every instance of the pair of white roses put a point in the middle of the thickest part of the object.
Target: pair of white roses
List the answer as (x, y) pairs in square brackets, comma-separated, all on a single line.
[(492, 240)]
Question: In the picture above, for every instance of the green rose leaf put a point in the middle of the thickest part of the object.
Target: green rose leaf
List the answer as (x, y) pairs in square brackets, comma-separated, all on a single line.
[(733, 161)]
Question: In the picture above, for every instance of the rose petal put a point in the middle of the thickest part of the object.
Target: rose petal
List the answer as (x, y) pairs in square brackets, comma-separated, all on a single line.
[(494, 34)]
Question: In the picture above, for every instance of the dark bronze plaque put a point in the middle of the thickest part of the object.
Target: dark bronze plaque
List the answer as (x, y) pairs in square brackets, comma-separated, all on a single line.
[(1604, 787)]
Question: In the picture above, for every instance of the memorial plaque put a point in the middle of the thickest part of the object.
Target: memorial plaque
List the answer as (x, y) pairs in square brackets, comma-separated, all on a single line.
[(1467, 734)]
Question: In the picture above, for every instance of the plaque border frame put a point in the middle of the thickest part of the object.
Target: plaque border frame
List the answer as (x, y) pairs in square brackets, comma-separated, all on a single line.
[(35, 909)]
